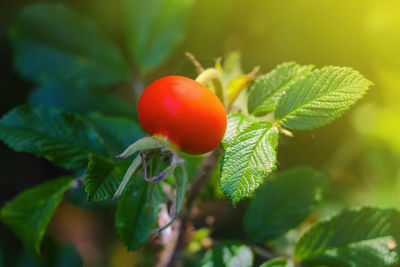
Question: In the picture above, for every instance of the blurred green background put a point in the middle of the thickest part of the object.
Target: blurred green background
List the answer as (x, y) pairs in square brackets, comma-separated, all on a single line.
[(361, 151)]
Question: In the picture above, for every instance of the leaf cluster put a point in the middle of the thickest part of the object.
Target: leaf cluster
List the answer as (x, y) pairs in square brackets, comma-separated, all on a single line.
[(299, 99), (72, 62)]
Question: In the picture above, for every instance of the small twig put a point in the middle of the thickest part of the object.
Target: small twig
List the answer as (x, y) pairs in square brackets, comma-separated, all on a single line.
[(254, 72), (197, 65)]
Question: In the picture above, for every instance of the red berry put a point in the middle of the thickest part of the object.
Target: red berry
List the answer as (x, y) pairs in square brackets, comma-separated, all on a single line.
[(184, 111)]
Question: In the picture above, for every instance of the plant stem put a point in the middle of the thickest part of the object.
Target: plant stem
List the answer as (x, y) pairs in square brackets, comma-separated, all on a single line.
[(196, 64), (206, 167)]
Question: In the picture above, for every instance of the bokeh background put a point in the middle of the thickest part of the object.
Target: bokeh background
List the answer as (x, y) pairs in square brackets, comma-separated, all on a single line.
[(360, 151)]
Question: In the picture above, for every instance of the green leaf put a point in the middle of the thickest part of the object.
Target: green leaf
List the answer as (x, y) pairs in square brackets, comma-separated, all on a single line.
[(320, 98), (349, 227), (55, 43), (366, 253), (137, 213), (29, 213), (155, 28), (236, 86), (80, 100), (54, 254), (236, 122), (58, 136), (265, 92), (284, 202), (141, 144), (116, 132), (229, 254), (248, 159), (277, 262), (102, 178)]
